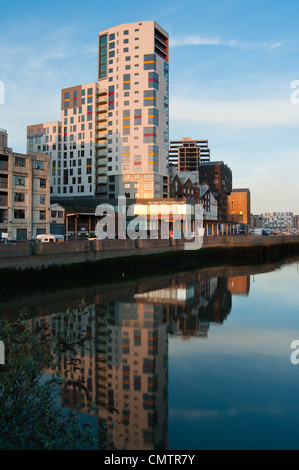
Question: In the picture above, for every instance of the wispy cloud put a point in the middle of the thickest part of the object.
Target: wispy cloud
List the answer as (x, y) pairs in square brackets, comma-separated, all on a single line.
[(259, 113), (195, 40), (51, 55)]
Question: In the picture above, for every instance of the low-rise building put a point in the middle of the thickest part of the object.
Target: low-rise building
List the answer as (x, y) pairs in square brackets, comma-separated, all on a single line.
[(186, 185), (24, 193)]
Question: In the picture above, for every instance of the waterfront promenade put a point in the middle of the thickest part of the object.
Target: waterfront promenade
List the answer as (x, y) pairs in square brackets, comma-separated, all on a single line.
[(42, 255)]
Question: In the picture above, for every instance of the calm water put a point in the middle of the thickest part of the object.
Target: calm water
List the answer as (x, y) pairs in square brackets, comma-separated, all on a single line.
[(198, 360)]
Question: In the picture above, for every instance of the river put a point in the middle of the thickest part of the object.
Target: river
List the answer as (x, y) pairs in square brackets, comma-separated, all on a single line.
[(190, 361)]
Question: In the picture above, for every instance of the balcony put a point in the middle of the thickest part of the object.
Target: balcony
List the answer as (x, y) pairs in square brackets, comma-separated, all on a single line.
[(101, 190), (101, 137), (101, 163), (101, 145), (101, 128), (101, 180), (102, 100), (101, 154), (102, 92), (101, 110), (101, 172)]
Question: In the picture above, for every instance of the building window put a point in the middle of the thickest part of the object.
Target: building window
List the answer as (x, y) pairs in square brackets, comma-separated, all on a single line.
[(103, 57), (42, 199), (149, 62), (153, 116), (42, 183), (19, 197), (20, 162), (153, 80), (137, 117), (38, 165), (149, 97), (19, 180), (149, 135), (126, 81), (19, 214)]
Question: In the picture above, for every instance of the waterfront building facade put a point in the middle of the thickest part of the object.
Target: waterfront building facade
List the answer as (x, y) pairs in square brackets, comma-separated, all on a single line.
[(77, 144), (24, 193), (278, 220), (113, 137), (186, 185), (134, 68), (239, 206), (218, 176)]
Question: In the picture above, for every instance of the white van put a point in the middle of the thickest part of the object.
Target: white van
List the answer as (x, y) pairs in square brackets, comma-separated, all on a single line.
[(43, 238)]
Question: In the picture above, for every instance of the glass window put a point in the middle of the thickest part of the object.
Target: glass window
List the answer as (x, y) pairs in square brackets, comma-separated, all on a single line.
[(39, 165), (19, 214), (19, 180), (21, 162)]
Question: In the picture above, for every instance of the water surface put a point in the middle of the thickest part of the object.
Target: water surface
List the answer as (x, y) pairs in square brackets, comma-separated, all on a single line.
[(197, 360)]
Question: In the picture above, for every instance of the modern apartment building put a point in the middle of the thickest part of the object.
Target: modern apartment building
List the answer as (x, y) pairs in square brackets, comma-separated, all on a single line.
[(133, 67), (278, 220), (24, 193), (113, 136), (77, 144), (187, 154), (239, 206)]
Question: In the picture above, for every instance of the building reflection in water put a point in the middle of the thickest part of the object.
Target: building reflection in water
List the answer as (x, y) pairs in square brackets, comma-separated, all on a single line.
[(124, 366)]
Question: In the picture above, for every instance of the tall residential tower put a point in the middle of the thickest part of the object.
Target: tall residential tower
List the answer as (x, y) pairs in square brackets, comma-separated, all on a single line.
[(133, 67)]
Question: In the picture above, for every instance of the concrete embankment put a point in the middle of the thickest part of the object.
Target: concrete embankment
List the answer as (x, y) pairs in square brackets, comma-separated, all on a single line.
[(116, 257)]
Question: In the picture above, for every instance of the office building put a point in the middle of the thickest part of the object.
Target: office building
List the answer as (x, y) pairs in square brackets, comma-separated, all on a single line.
[(24, 193)]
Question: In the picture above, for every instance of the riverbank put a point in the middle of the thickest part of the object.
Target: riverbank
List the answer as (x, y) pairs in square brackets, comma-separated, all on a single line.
[(22, 264)]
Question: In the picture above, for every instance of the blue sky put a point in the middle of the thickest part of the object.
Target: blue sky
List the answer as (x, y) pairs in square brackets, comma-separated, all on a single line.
[(232, 63)]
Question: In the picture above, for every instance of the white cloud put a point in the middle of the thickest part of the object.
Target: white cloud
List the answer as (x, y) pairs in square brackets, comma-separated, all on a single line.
[(195, 40), (279, 112)]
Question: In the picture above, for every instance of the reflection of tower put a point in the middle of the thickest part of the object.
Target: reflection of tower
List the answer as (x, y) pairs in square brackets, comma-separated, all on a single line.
[(138, 377), (78, 368)]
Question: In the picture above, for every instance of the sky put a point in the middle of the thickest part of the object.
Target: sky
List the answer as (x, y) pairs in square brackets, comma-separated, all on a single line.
[(234, 78)]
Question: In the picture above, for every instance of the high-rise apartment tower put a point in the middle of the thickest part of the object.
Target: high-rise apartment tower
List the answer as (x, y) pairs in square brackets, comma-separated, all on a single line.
[(133, 67)]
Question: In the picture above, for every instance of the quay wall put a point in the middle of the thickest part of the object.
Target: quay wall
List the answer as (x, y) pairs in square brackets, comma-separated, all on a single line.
[(27, 263), (26, 254)]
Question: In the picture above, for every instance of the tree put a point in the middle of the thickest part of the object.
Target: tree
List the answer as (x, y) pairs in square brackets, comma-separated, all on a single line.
[(30, 381)]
